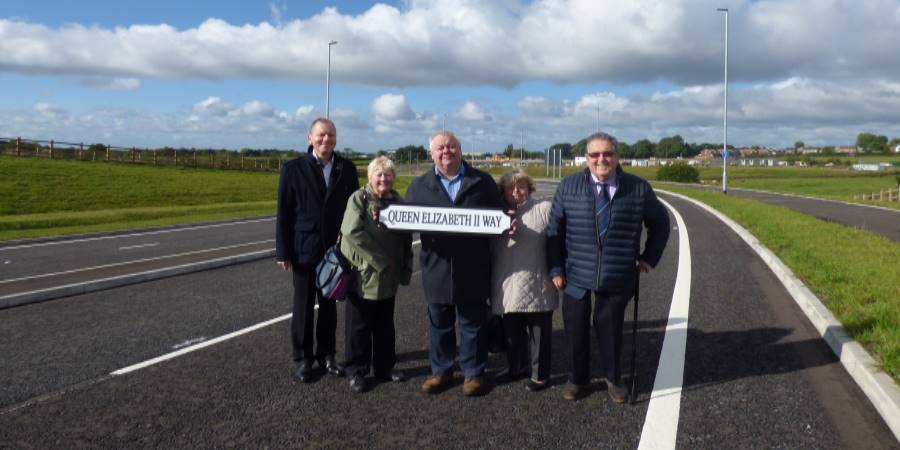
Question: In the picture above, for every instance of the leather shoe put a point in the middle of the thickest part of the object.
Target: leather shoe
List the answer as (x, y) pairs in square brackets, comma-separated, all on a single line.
[(473, 386), (436, 383), (395, 376), (358, 383), (507, 375), (574, 392), (616, 392), (330, 366), (534, 385), (304, 372)]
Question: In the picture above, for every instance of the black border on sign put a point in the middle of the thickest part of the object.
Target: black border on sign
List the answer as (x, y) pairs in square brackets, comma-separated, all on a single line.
[(450, 233)]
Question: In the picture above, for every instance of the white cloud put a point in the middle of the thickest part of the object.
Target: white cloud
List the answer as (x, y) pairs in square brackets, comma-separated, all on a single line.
[(391, 107), (472, 112), (112, 84), (453, 42)]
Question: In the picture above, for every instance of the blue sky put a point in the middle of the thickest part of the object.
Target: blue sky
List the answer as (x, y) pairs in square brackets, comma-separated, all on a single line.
[(251, 73)]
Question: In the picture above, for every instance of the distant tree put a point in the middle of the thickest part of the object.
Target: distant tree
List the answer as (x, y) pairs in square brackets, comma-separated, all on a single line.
[(564, 146), (827, 150), (871, 143), (410, 153), (624, 150), (97, 148), (669, 147), (509, 151), (642, 149), (799, 145)]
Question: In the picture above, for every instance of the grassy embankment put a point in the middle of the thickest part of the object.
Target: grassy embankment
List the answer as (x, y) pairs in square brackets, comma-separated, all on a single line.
[(40, 197), (854, 272)]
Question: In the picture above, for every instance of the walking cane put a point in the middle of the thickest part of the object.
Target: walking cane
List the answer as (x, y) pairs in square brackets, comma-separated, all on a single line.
[(637, 286)]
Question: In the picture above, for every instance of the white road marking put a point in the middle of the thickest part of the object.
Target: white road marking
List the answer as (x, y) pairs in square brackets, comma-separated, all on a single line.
[(205, 344), (661, 424), (155, 258), (132, 247), (196, 347), (146, 233), (189, 342)]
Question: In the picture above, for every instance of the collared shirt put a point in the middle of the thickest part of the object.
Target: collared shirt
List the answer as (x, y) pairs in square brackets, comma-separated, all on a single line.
[(451, 185), (612, 184), (326, 169)]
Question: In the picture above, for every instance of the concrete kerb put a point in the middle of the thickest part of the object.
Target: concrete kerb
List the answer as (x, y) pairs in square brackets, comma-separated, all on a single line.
[(41, 295), (877, 385)]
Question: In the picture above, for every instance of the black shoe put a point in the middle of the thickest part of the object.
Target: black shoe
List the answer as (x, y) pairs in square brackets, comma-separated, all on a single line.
[(304, 372), (329, 365), (535, 386), (358, 383), (395, 376)]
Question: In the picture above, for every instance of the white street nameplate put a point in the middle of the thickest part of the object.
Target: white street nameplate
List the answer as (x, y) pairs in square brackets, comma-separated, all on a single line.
[(445, 220)]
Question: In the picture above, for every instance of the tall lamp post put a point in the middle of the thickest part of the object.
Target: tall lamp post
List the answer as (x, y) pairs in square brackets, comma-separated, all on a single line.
[(328, 82), (725, 112)]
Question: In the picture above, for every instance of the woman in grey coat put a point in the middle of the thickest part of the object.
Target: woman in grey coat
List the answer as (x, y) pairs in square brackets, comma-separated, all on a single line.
[(521, 288)]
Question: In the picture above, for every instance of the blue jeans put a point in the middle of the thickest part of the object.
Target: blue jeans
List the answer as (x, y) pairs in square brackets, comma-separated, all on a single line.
[(472, 333)]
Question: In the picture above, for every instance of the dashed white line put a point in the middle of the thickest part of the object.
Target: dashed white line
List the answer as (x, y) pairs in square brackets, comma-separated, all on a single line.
[(661, 424), (133, 247)]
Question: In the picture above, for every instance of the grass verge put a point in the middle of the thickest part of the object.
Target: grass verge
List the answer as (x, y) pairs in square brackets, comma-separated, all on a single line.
[(854, 272)]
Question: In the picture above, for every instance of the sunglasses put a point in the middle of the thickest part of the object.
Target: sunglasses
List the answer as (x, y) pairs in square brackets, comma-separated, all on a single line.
[(596, 155)]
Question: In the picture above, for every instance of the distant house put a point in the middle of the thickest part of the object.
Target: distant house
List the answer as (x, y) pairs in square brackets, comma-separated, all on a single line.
[(897, 148), (708, 153), (845, 150), (871, 167)]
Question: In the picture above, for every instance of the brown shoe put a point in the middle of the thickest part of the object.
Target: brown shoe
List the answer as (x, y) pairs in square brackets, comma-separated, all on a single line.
[(616, 393), (436, 383), (473, 386), (574, 392)]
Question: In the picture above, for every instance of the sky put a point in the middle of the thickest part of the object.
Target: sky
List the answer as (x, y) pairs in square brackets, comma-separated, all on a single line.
[(234, 74)]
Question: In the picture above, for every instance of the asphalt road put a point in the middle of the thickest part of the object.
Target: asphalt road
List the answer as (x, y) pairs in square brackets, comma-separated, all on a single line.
[(756, 373), (883, 221)]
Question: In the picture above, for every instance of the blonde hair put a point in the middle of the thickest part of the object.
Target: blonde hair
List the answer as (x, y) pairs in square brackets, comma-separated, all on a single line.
[(381, 162)]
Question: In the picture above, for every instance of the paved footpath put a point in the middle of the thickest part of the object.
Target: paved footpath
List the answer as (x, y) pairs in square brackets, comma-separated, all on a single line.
[(755, 372)]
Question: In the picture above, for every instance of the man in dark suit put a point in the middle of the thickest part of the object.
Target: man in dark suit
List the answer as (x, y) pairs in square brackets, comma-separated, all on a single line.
[(593, 253), (312, 194), (455, 269)]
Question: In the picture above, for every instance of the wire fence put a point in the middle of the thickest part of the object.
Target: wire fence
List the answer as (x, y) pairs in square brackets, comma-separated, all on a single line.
[(188, 158)]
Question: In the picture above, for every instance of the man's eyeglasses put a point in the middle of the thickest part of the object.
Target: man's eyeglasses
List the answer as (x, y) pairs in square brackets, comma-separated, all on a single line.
[(597, 155)]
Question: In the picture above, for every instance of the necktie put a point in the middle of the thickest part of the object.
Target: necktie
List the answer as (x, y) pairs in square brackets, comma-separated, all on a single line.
[(602, 208)]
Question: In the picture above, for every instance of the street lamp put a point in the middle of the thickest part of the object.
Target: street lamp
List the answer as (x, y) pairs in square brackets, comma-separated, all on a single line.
[(725, 112), (328, 82)]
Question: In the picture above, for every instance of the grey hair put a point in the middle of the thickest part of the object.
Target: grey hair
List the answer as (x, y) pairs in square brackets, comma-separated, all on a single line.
[(443, 133), (514, 177), (382, 162), (321, 120), (601, 136)]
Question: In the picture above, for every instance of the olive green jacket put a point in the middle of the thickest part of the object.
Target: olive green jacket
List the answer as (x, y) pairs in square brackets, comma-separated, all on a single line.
[(381, 258)]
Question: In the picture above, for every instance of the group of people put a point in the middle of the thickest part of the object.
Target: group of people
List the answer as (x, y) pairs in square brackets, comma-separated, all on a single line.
[(585, 244)]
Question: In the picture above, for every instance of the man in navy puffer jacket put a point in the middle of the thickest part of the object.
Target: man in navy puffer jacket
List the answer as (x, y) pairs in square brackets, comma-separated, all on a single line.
[(594, 251)]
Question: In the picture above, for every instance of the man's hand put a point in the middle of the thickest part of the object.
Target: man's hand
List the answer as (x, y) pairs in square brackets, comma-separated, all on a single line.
[(285, 265), (559, 281), (513, 224), (643, 266)]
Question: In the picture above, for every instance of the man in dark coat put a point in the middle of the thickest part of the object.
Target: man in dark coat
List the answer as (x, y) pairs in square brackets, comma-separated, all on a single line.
[(455, 269), (593, 251), (312, 194)]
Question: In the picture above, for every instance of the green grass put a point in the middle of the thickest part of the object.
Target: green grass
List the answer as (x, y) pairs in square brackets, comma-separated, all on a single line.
[(854, 272)]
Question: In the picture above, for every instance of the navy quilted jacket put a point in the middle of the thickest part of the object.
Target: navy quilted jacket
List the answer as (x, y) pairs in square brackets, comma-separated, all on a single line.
[(573, 247)]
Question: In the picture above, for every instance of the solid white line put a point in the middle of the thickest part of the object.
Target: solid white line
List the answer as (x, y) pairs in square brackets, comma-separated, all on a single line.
[(661, 424), (155, 258), (146, 233), (196, 347), (127, 275), (132, 247)]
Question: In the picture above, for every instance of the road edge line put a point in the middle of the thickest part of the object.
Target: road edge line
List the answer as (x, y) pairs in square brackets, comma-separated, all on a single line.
[(875, 384), (41, 295)]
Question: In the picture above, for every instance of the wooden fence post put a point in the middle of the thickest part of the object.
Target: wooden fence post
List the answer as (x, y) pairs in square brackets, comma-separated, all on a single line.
[(154, 157), (242, 162), (18, 148), (107, 153), (51, 148), (132, 154), (176, 157), (81, 151)]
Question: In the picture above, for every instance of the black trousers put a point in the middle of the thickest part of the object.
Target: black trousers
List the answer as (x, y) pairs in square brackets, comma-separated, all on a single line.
[(370, 340), (529, 339), (608, 318), (303, 319)]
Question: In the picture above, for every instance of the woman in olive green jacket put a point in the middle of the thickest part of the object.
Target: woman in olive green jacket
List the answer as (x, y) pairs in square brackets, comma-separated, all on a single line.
[(382, 260)]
